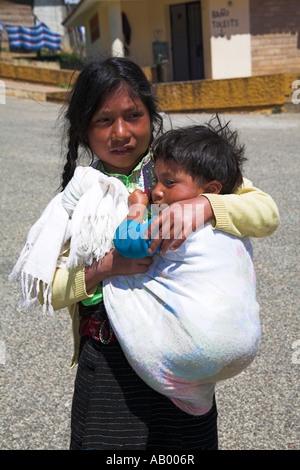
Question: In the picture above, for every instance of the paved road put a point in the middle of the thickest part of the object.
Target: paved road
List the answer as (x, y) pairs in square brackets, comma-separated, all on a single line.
[(258, 409)]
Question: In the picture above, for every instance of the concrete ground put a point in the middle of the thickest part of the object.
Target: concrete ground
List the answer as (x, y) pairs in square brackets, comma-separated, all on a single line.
[(259, 409), (33, 91)]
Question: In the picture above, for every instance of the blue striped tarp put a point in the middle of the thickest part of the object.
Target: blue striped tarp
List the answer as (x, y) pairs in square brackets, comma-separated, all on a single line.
[(33, 38)]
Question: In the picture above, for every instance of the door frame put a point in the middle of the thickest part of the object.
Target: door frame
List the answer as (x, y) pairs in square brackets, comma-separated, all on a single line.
[(181, 46)]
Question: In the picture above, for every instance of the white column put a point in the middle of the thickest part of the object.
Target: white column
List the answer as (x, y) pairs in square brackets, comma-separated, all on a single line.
[(115, 27)]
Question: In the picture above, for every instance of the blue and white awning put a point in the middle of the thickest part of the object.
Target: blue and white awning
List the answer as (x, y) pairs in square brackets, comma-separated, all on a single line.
[(33, 38)]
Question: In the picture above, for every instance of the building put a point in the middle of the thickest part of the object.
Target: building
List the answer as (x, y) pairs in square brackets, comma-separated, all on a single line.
[(52, 13), (211, 39), (27, 13)]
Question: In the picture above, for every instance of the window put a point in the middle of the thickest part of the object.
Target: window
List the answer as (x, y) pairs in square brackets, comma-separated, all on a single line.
[(94, 27)]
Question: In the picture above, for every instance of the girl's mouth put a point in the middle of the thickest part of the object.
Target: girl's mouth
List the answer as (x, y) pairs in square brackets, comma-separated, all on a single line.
[(122, 151)]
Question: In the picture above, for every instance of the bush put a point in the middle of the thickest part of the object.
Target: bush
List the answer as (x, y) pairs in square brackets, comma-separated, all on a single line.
[(70, 59)]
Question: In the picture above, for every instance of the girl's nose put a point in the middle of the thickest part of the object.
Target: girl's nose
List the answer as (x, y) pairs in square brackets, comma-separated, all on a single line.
[(120, 130)]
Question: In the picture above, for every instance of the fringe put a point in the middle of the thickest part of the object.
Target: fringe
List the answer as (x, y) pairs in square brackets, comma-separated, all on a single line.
[(91, 243), (85, 220), (31, 288), (17, 269)]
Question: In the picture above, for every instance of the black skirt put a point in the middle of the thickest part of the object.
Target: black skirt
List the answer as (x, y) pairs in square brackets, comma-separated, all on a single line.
[(113, 409)]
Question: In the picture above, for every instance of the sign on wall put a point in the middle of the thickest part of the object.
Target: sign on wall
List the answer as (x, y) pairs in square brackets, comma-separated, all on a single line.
[(228, 18)]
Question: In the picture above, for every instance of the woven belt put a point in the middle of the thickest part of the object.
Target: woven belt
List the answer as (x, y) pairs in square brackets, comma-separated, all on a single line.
[(99, 328)]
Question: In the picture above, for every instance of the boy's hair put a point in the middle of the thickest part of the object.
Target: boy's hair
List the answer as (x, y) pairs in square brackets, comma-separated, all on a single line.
[(207, 152), (99, 78)]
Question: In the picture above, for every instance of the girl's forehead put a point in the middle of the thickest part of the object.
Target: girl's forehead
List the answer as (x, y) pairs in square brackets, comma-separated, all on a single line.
[(120, 97)]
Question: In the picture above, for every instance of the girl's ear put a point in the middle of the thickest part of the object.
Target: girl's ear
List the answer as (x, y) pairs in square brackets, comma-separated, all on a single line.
[(214, 187)]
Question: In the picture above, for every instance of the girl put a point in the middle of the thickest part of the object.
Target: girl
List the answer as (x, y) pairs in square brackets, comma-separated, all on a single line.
[(112, 115)]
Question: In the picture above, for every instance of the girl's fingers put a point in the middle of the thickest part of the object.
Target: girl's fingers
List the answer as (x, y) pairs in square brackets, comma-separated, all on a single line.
[(163, 232), (173, 225)]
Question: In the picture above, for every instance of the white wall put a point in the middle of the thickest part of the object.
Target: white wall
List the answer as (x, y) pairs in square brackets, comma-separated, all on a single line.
[(227, 39), (52, 14)]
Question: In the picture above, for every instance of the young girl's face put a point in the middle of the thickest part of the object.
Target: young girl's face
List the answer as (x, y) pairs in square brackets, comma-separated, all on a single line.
[(174, 184), (120, 131)]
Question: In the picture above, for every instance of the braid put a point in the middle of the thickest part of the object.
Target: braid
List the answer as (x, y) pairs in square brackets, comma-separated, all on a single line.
[(72, 156)]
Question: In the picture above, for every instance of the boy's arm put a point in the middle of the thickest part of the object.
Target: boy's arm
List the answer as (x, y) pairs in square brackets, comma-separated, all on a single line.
[(137, 203), (129, 240)]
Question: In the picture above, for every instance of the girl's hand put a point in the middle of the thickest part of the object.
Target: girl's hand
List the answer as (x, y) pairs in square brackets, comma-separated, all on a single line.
[(139, 197), (177, 222), (121, 265), (113, 264)]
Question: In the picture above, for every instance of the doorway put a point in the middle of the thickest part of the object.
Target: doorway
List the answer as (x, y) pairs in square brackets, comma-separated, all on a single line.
[(187, 42)]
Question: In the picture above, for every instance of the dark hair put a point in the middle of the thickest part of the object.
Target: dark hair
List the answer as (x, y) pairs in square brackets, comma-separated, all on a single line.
[(99, 77), (206, 151)]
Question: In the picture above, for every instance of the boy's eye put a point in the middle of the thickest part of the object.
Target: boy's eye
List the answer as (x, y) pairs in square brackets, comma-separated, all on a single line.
[(170, 182)]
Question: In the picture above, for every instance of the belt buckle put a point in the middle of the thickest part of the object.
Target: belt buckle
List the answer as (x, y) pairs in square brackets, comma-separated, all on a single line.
[(101, 330)]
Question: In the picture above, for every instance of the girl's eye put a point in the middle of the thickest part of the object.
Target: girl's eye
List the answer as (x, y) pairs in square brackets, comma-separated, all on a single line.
[(135, 115), (103, 120)]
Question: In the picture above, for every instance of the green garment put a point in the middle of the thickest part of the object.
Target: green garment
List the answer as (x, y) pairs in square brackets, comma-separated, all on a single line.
[(141, 177)]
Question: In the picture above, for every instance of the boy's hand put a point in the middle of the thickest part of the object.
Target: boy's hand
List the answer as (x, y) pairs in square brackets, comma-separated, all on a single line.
[(137, 203), (139, 197)]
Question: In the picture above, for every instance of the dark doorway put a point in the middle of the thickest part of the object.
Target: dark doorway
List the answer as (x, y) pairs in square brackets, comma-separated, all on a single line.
[(187, 42)]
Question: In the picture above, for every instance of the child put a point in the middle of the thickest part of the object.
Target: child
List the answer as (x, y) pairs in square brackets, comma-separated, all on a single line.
[(192, 319), (112, 115), (206, 157)]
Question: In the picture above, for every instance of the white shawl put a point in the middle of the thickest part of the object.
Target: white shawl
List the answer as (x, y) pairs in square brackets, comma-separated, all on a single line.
[(191, 320), (97, 204)]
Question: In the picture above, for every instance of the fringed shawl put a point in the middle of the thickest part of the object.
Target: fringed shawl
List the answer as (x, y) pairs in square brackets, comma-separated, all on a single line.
[(82, 220)]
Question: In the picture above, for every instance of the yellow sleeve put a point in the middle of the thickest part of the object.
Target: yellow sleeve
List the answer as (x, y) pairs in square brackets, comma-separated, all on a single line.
[(249, 212), (68, 287)]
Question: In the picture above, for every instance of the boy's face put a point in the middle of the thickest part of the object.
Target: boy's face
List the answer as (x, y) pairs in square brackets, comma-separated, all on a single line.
[(173, 183)]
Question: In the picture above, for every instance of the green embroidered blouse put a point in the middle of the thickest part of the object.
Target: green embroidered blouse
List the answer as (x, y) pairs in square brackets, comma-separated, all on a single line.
[(141, 177)]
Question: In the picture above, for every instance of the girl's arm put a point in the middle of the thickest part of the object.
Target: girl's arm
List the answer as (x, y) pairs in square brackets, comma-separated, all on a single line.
[(249, 212), (70, 286)]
